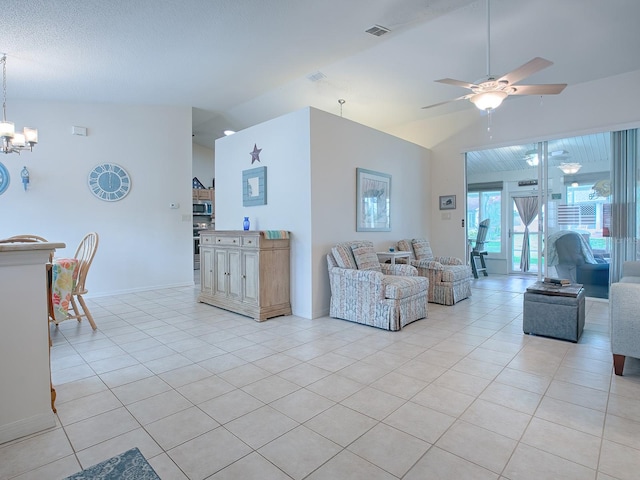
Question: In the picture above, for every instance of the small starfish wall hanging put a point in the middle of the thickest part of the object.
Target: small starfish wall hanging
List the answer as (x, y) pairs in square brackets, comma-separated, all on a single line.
[(255, 155)]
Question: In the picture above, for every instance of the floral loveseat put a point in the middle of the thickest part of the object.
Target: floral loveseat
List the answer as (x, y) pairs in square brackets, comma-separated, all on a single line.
[(365, 291), (449, 278)]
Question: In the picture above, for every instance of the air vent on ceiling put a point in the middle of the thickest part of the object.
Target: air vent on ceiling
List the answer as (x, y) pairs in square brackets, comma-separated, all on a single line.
[(314, 77), (377, 30)]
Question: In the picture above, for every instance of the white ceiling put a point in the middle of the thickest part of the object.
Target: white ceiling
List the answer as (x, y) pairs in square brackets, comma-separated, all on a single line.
[(242, 62)]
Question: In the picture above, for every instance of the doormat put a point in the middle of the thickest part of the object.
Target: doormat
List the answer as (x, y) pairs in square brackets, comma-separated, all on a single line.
[(130, 465)]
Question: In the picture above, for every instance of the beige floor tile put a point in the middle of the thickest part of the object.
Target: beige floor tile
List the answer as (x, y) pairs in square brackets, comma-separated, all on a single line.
[(244, 375), (419, 421), (529, 463), (478, 368), (399, 385), (86, 407), (253, 465), (478, 445), (573, 416), (276, 363), (209, 453), (100, 428), (364, 372), (622, 430), (583, 396), (497, 418), (524, 380), (34, 452), (302, 405), (184, 375), (374, 403), (462, 382), (205, 389), (438, 464), (341, 425), (563, 442), (346, 463), (444, 400), (390, 449), (141, 389), (230, 406), (511, 397), (423, 371), (316, 452), (626, 407), (138, 437), (335, 387), (159, 406), (269, 389), (180, 427), (81, 388), (62, 468), (166, 468), (260, 426), (304, 374), (619, 461)]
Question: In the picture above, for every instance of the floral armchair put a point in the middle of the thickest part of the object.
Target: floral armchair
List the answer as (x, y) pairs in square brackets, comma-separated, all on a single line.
[(449, 278), (365, 291)]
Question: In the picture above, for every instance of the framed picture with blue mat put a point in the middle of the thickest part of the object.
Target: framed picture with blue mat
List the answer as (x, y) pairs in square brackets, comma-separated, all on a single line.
[(130, 464)]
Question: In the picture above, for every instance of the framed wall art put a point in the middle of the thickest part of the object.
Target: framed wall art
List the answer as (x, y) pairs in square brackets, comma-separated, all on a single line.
[(254, 187), (373, 201), (447, 202)]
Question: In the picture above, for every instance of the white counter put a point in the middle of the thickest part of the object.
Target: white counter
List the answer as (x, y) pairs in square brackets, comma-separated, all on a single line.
[(25, 394)]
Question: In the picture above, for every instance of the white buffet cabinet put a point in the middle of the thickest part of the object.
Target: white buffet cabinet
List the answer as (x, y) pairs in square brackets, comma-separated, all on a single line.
[(245, 272)]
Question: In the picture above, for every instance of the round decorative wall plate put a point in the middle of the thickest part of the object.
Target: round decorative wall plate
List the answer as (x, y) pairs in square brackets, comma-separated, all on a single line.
[(109, 182), (4, 178)]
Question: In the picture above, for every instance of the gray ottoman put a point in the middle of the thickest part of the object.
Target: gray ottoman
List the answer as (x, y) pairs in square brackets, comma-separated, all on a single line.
[(557, 312)]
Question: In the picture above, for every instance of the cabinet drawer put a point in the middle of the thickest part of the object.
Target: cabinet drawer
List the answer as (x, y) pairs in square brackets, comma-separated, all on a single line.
[(250, 241), (206, 240), (227, 241)]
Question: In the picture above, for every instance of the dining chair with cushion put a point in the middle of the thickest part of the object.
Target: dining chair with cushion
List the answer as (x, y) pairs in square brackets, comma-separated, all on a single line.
[(84, 254)]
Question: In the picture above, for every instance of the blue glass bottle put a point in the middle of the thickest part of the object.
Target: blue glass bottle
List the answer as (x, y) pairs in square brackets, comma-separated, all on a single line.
[(246, 223)]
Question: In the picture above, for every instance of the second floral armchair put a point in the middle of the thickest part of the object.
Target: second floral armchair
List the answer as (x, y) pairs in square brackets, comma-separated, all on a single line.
[(449, 278)]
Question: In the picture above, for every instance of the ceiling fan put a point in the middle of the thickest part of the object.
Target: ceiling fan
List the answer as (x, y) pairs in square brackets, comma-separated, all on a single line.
[(488, 93)]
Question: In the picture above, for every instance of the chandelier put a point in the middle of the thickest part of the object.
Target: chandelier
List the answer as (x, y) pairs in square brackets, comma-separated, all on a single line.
[(12, 142)]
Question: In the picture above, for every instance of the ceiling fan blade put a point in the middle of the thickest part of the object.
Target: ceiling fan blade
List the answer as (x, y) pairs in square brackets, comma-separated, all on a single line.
[(464, 97), (529, 68), (547, 89), (457, 83)]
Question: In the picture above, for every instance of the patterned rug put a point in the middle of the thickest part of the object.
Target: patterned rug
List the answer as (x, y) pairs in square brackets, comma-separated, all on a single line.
[(130, 465)]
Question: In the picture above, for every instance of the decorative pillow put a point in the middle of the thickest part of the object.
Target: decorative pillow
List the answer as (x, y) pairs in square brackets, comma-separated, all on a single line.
[(366, 258), (422, 249), (403, 246), (343, 256)]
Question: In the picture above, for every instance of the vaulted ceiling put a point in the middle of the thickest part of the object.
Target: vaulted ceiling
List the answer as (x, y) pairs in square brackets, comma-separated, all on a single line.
[(242, 62)]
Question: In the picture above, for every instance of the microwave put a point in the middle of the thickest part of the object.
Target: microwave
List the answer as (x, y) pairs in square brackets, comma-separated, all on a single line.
[(202, 207)]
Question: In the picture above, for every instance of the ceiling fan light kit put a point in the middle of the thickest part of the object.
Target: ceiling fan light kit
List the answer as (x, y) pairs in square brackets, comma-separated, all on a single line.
[(488, 100), (569, 168), (488, 93)]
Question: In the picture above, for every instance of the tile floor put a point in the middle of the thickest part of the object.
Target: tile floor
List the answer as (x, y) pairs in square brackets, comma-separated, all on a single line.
[(208, 394)]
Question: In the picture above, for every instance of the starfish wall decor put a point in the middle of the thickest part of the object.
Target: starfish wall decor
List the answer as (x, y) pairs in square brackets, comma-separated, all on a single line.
[(255, 155)]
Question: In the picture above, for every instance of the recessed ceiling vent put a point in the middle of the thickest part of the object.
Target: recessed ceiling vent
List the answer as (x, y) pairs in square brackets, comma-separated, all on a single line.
[(314, 77), (378, 30)]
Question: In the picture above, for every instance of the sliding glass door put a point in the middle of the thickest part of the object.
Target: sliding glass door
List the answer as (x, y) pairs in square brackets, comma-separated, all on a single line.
[(581, 192)]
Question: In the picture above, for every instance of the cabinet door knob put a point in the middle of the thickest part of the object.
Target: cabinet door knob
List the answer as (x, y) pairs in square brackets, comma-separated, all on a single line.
[(244, 276)]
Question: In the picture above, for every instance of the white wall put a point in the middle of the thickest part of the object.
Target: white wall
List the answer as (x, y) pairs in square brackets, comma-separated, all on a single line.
[(602, 105), (203, 164), (143, 243), (311, 158)]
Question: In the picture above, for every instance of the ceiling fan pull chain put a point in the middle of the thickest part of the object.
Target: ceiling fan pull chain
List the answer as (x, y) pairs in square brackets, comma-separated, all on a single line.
[(489, 115)]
